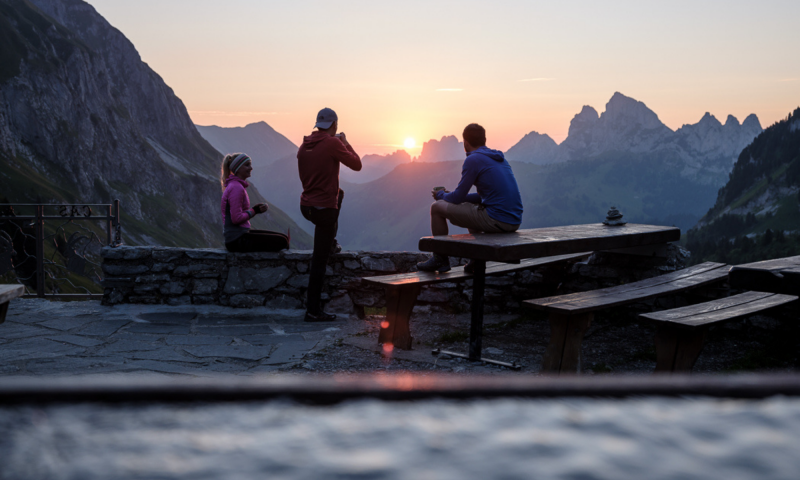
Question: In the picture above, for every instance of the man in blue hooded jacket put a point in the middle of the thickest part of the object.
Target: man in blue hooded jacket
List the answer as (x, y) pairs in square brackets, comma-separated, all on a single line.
[(496, 208)]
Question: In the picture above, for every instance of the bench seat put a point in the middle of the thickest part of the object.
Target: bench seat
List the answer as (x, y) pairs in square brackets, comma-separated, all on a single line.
[(402, 291), (8, 293), (682, 331), (572, 314)]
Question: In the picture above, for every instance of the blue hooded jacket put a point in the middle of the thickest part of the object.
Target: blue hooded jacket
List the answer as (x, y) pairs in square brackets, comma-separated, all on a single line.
[(491, 174)]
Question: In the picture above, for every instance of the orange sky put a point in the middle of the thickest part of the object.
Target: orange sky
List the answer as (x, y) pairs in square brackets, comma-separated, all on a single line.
[(424, 69)]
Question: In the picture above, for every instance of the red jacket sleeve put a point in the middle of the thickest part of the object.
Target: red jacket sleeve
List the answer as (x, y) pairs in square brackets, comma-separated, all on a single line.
[(238, 203), (346, 155)]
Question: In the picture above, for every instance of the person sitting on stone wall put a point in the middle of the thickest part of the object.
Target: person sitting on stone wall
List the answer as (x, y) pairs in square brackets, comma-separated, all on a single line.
[(496, 208), (237, 212)]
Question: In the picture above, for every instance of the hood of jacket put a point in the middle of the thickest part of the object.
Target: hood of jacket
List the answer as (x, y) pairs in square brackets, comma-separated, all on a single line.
[(234, 178), (495, 155), (315, 138)]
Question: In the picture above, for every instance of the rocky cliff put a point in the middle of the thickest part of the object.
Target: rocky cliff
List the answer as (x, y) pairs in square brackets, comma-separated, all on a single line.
[(703, 152), (83, 119)]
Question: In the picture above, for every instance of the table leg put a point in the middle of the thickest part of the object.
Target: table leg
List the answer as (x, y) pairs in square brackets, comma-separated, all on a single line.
[(476, 327)]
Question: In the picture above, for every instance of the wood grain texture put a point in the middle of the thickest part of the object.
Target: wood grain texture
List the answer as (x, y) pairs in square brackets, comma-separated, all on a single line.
[(399, 304), (723, 309), (457, 273), (677, 350), (545, 242), (9, 292), (692, 277)]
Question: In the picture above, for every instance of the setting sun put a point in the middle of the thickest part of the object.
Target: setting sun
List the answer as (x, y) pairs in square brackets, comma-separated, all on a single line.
[(410, 143)]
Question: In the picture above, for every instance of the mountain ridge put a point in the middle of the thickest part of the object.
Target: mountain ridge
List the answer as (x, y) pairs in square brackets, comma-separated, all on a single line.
[(83, 119)]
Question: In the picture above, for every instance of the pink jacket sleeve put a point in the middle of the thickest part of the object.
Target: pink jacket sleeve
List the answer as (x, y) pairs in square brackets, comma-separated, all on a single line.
[(240, 205)]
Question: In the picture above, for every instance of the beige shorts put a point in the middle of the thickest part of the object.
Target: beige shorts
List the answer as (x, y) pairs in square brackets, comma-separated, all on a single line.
[(474, 217)]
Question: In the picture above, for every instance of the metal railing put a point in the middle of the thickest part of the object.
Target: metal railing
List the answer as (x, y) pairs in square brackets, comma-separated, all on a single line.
[(54, 250)]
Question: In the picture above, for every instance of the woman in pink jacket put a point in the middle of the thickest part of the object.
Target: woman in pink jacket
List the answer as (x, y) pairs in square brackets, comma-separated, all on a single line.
[(237, 212)]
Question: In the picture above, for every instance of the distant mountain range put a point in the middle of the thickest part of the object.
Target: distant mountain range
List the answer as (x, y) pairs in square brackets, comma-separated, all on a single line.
[(757, 213), (259, 140), (625, 157), (84, 120), (703, 152)]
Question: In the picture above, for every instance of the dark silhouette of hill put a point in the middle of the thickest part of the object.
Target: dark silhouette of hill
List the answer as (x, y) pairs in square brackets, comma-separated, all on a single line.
[(757, 213)]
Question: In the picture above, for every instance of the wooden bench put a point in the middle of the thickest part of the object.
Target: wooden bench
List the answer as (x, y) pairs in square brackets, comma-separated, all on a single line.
[(402, 291), (682, 331), (779, 275), (572, 314), (8, 293)]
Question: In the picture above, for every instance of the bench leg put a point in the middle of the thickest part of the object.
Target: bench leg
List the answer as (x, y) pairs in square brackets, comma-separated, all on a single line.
[(563, 354), (3, 311), (399, 304), (677, 349), (476, 311)]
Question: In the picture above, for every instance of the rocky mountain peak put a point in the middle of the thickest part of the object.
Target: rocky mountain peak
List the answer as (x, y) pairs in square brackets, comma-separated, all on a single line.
[(732, 121), (587, 118), (751, 123), (448, 148), (625, 110), (709, 120)]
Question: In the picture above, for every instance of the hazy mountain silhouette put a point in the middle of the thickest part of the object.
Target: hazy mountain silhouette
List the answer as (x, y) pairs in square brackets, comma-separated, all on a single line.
[(703, 152), (446, 149), (374, 166), (259, 140)]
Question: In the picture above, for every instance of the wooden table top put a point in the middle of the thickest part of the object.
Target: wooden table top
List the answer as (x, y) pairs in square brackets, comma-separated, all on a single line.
[(780, 275), (546, 242)]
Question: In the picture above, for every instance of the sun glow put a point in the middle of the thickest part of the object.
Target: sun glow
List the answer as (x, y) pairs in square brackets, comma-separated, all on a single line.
[(409, 143)]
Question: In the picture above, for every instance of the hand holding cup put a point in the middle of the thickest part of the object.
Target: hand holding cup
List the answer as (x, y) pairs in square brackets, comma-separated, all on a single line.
[(260, 208)]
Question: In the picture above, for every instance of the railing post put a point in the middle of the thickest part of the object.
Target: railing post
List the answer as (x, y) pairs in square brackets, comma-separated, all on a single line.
[(118, 235), (39, 228), (110, 226)]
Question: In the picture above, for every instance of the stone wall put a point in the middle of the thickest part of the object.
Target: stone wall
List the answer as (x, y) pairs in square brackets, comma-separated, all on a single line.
[(180, 276)]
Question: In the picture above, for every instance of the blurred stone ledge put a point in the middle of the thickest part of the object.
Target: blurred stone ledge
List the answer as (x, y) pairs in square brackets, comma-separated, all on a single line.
[(183, 276)]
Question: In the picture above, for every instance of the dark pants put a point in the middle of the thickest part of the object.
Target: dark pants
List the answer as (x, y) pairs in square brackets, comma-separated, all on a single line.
[(259, 241), (326, 225)]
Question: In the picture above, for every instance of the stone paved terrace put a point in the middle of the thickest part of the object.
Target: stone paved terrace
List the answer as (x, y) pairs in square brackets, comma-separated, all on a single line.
[(79, 338)]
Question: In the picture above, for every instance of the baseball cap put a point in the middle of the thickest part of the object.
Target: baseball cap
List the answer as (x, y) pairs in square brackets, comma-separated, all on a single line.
[(325, 118)]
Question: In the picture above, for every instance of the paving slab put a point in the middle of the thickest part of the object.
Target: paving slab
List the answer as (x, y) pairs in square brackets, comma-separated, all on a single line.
[(159, 328), (10, 331), (69, 323), (235, 331), (129, 343), (178, 318), (163, 354), (76, 340), (290, 352), (72, 365), (29, 348), (104, 328), (157, 366), (241, 352), (199, 340), (271, 339)]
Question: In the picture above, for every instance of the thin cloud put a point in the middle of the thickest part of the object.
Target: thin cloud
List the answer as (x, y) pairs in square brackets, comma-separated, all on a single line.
[(538, 79), (230, 114), (449, 89)]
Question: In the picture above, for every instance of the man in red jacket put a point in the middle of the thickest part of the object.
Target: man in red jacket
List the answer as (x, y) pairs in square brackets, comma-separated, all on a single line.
[(318, 162)]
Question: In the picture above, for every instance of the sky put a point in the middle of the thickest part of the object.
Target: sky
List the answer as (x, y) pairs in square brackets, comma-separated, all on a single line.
[(425, 69)]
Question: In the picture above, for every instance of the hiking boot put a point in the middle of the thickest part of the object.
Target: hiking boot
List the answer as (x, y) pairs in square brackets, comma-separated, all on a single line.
[(437, 263), (470, 267), (335, 247), (320, 317)]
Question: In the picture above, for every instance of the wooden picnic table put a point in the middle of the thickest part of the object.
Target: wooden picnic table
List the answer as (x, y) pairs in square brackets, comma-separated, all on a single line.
[(781, 275), (535, 243)]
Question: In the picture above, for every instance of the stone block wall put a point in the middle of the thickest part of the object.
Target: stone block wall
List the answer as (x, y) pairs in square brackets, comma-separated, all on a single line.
[(180, 276)]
